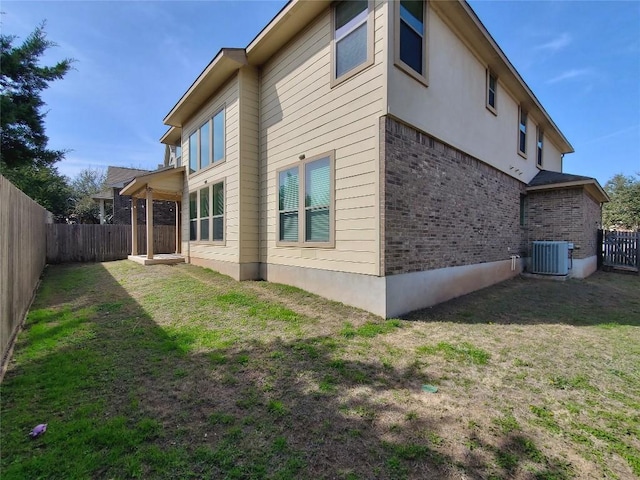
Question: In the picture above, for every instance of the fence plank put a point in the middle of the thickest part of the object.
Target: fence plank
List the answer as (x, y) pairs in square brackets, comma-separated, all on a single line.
[(621, 250), (103, 243), (22, 257)]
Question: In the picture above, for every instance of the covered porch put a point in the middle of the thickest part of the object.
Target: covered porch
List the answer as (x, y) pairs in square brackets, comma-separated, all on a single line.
[(167, 185)]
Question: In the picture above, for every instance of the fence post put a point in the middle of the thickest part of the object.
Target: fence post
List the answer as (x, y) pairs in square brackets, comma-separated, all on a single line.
[(600, 249), (638, 251)]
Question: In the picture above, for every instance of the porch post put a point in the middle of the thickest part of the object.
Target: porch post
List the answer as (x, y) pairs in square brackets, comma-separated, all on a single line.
[(134, 226), (102, 211), (149, 223), (177, 227)]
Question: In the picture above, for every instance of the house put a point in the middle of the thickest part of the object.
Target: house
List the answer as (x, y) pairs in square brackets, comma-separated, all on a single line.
[(119, 206), (382, 154)]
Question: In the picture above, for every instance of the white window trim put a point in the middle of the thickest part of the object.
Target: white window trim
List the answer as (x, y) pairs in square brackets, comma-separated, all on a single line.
[(212, 164), (369, 18), (302, 217), (526, 132), (492, 108), (424, 78)]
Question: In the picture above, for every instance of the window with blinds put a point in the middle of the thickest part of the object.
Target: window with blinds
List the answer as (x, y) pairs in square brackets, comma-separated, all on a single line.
[(305, 202), (206, 214), (352, 37)]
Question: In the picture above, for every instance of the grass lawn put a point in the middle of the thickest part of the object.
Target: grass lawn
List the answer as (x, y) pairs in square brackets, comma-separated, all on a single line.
[(179, 372)]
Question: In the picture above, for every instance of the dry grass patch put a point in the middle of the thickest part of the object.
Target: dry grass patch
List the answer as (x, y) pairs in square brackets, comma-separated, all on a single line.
[(179, 372)]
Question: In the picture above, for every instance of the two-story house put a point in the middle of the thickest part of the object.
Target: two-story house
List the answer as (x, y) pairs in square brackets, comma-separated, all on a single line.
[(383, 154)]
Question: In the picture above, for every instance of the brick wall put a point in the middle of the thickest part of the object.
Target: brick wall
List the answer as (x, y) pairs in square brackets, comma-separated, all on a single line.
[(163, 212), (442, 207), (570, 214)]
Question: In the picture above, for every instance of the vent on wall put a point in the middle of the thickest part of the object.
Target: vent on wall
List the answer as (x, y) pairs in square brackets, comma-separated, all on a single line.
[(550, 258)]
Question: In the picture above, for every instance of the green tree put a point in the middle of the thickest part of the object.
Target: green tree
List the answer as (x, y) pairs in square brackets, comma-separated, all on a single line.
[(623, 211), (24, 157), (86, 184)]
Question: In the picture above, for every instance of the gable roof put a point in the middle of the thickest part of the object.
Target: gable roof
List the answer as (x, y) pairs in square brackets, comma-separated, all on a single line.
[(297, 14), (547, 180), (118, 177)]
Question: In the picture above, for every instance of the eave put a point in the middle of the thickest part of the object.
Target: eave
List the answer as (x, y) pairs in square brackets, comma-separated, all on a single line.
[(464, 21), (172, 136), (293, 17), (223, 65), (591, 186), (166, 184)]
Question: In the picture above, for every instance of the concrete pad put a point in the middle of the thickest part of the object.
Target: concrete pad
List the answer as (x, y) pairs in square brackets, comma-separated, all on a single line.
[(158, 259)]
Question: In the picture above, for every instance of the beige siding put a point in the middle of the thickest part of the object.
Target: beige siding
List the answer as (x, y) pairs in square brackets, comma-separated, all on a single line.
[(452, 108), (226, 171), (301, 114), (249, 174)]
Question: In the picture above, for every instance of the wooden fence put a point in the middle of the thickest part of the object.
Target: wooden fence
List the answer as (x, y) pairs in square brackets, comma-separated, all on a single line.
[(22, 258), (620, 250), (103, 243)]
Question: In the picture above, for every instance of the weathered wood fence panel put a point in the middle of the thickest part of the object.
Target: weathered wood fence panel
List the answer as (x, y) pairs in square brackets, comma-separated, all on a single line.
[(103, 243), (620, 249), (22, 257)]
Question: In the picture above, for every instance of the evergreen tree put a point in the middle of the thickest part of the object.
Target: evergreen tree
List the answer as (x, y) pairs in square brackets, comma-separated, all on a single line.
[(24, 157)]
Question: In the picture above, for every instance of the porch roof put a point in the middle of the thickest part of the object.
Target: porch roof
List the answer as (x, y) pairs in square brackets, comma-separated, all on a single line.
[(548, 180), (166, 184)]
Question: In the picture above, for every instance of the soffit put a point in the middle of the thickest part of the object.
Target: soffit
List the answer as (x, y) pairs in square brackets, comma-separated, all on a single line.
[(223, 65)]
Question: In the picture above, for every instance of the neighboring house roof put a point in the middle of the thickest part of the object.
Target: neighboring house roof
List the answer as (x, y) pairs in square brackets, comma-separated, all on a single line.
[(297, 14), (117, 177), (547, 180)]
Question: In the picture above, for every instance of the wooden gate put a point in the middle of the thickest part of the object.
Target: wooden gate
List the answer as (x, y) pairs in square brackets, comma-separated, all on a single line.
[(620, 250)]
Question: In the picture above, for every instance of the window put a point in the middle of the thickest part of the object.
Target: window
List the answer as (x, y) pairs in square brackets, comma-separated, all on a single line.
[(218, 212), (522, 133), (523, 210), (539, 146), (193, 216), (305, 202), (206, 214), (492, 91), (352, 37), (411, 38), (206, 144)]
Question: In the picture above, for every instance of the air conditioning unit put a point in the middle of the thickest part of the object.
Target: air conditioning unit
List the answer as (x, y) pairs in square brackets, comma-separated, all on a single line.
[(550, 258)]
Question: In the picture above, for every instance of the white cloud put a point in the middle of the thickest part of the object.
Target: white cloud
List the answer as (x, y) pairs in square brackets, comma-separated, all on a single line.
[(569, 74), (556, 44)]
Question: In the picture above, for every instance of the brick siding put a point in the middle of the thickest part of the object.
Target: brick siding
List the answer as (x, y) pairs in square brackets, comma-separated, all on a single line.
[(570, 214), (442, 207)]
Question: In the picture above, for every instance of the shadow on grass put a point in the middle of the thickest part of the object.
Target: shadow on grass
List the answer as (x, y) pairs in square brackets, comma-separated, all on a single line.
[(604, 299), (124, 399)]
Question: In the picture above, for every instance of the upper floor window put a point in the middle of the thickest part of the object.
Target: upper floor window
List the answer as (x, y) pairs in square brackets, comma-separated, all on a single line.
[(352, 37), (206, 214), (206, 144), (305, 203), (522, 132), (539, 146), (411, 37), (492, 91)]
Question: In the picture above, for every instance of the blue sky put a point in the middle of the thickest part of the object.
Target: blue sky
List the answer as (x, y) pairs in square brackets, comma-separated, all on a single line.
[(135, 60)]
